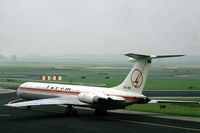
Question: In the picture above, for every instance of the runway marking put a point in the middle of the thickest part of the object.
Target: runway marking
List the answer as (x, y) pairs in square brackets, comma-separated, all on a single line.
[(153, 124), (15, 100), (4, 115)]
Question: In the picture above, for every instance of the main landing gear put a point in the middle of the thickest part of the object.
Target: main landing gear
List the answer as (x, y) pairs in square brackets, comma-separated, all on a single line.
[(70, 111), (28, 107), (100, 112)]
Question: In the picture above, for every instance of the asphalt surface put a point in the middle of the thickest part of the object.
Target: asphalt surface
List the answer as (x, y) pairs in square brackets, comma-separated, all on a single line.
[(51, 119)]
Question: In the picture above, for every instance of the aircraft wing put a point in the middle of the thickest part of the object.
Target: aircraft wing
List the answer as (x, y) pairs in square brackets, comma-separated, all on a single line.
[(173, 101), (48, 101)]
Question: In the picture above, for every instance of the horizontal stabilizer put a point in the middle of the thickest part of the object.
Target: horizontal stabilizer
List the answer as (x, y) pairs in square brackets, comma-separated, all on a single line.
[(173, 101), (139, 56)]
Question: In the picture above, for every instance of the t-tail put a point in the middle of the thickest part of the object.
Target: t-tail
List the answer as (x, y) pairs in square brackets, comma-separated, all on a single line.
[(135, 81)]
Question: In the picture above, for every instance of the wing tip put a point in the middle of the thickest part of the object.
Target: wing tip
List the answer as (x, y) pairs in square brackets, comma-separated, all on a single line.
[(7, 105)]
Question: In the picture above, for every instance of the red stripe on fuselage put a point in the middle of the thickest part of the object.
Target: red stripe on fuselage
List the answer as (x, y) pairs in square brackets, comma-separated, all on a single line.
[(71, 92), (49, 91)]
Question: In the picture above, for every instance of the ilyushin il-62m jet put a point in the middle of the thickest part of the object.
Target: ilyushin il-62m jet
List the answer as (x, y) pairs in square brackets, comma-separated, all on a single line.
[(101, 99)]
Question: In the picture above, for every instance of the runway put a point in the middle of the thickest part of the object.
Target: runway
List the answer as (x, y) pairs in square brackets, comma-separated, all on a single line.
[(51, 119)]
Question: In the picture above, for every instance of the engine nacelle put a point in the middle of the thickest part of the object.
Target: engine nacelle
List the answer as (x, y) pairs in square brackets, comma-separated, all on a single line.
[(89, 97)]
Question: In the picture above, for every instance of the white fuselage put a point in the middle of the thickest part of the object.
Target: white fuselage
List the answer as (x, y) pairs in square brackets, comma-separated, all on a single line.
[(32, 90)]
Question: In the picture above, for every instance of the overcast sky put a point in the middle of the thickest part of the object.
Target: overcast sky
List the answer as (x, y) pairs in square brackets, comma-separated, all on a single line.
[(49, 27)]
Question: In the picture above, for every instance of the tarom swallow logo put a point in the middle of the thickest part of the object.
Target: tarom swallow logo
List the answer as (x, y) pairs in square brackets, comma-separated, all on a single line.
[(136, 78)]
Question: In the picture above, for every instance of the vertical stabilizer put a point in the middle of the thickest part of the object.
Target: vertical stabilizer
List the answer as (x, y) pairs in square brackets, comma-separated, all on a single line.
[(135, 81)]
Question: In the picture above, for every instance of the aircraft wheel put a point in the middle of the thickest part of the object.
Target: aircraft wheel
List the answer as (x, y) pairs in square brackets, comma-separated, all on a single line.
[(28, 107), (70, 111), (74, 112)]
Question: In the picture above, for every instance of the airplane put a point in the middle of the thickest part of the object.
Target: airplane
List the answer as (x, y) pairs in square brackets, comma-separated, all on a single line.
[(98, 98)]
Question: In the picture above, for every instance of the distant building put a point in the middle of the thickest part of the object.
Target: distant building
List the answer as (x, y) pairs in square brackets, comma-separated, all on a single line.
[(50, 77)]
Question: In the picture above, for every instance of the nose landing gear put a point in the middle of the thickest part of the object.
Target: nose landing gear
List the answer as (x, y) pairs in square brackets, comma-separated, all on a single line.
[(70, 111)]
